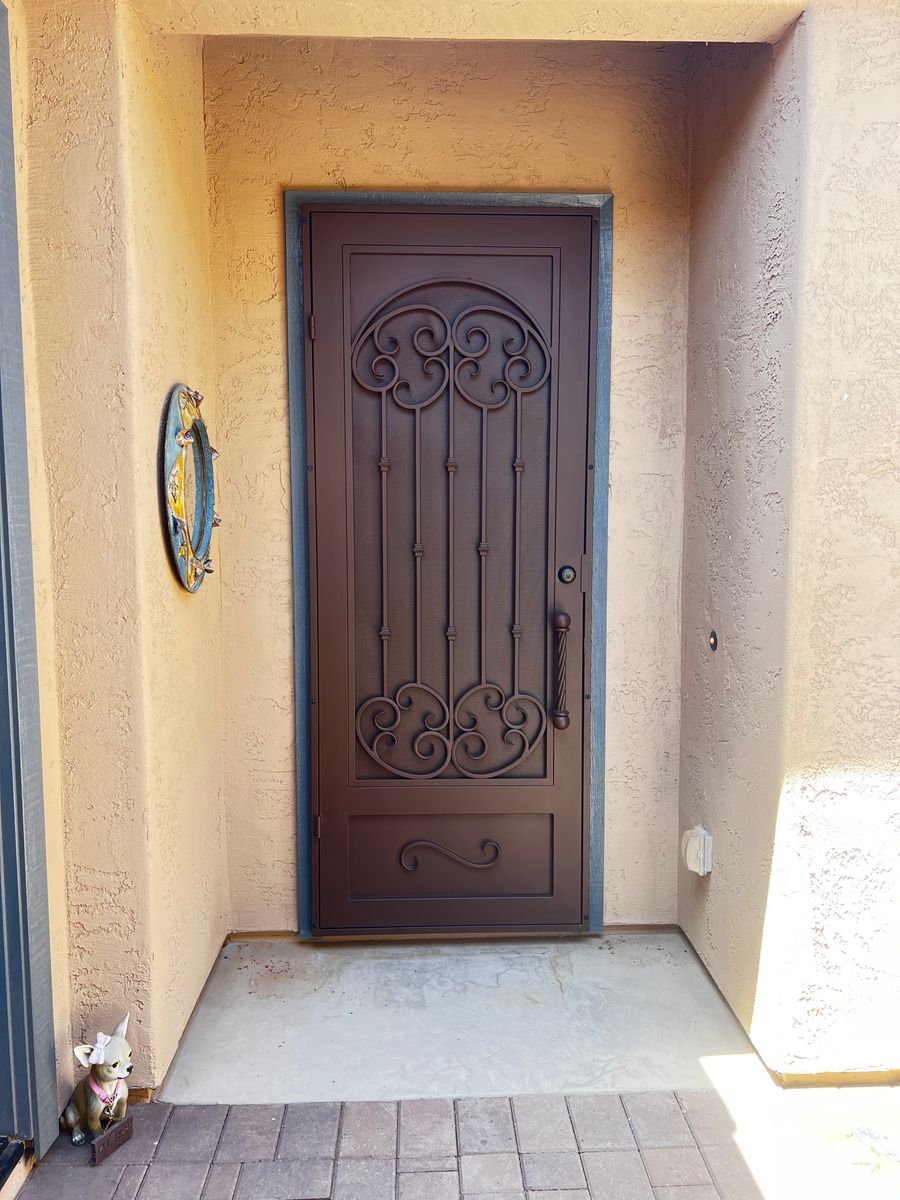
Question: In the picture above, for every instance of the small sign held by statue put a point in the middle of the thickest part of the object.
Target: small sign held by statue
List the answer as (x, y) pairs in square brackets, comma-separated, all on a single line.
[(99, 1103)]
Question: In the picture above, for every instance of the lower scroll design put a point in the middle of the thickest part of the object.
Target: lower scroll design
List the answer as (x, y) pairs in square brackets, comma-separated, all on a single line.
[(412, 735), (489, 848), (416, 707)]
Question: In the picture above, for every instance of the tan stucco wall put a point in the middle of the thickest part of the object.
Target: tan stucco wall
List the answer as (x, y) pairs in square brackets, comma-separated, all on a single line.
[(116, 304), (746, 125), (789, 743), (826, 998), (181, 645), (441, 117), (76, 374)]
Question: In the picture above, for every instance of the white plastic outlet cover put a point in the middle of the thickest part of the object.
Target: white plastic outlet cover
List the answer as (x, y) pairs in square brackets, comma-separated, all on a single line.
[(696, 850)]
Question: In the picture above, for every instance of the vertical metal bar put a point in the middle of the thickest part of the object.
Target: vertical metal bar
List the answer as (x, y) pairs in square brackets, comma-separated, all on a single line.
[(483, 549), (384, 466), (451, 535), (518, 467), (418, 548)]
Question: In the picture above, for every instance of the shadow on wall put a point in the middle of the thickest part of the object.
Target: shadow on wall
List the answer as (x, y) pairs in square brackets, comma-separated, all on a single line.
[(746, 138), (795, 921)]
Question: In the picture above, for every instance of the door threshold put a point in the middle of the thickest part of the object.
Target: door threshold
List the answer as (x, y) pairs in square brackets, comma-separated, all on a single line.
[(15, 1163), (449, 935)]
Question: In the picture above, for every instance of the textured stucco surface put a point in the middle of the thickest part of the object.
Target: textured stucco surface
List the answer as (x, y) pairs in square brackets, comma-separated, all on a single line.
[(79, 382), (789, 742), (826, 1001), (746, 130), (181, 645), (443, 117), (116, 302), (534, 20)]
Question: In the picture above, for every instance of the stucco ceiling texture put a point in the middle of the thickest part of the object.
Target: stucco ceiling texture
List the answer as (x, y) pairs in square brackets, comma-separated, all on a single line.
[(486, 20)]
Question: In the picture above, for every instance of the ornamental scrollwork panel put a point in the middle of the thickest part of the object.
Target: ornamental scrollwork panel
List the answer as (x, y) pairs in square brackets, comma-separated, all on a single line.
[(462, 377)]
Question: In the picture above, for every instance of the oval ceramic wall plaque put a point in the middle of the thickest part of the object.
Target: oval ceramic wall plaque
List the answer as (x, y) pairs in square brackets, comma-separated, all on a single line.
[(188, 487)]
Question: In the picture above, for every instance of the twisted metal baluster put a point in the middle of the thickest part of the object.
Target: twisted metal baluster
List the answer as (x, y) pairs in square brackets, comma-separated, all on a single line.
[(560, 714)]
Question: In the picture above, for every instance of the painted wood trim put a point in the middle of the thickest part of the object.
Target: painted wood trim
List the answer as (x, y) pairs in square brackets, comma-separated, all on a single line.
[(601, 206)]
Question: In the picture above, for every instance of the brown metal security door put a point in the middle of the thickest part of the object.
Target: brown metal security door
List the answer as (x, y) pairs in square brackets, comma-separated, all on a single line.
[(451, 375)]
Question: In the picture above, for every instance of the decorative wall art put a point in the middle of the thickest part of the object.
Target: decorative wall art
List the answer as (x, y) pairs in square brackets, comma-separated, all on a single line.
[(188, 487)]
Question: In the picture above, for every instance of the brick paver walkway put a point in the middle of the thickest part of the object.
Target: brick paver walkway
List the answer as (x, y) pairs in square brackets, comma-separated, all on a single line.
[(645, 1146)]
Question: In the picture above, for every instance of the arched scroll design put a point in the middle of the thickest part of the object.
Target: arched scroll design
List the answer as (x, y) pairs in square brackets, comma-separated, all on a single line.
[(413, 355), (411, 371), (525, 363)]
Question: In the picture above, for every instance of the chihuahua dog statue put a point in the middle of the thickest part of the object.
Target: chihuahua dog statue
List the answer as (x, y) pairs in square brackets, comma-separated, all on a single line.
[(102, 1096)]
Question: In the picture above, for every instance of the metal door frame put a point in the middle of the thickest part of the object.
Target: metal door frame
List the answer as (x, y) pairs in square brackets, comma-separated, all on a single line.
[(28, 1098), (598, 501)]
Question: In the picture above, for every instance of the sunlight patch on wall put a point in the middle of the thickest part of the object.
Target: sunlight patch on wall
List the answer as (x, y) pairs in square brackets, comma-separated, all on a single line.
[(829, 971)]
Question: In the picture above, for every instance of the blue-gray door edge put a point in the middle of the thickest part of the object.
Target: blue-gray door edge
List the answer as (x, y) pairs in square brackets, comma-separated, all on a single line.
[(28, 1095), (294, 199)]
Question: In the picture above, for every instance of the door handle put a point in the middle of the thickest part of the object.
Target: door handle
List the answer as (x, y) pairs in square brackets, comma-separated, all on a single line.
[(560, 715)]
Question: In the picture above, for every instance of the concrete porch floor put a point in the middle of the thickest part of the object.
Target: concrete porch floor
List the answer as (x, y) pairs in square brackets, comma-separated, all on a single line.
[(623, 1012)]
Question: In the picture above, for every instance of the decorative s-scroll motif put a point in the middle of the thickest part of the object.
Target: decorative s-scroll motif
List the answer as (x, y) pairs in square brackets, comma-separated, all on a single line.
[(413, 356), (489, 848)]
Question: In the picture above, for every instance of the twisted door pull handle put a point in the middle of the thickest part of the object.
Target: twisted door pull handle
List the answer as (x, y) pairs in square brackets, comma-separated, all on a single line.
[(560, 714)]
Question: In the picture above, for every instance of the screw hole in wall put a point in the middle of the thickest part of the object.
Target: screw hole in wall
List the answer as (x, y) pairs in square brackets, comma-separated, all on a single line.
[(713, 640)]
